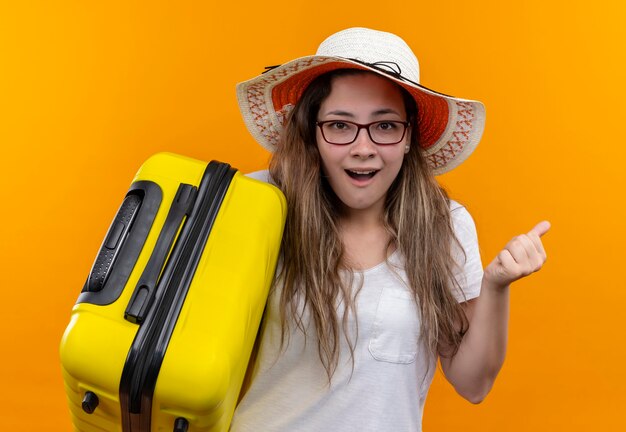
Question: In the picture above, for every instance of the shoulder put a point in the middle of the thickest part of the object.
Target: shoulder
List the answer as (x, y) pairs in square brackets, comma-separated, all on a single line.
[(263, 175), (462, 221)]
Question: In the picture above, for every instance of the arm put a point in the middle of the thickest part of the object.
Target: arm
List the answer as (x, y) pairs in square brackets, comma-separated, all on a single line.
[(473, 369)]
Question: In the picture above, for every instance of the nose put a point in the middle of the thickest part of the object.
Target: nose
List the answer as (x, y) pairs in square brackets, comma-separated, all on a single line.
[(363, 147)]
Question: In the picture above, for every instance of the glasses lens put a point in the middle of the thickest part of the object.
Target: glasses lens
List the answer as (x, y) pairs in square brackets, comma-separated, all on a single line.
[(387, 132), (338, 132)]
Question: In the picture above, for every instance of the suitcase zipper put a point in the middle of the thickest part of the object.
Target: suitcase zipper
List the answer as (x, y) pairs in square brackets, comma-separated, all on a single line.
[(148, 349)]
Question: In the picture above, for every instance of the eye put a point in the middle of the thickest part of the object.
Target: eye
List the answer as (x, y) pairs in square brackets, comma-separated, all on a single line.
[(386, 126), (338, 125)]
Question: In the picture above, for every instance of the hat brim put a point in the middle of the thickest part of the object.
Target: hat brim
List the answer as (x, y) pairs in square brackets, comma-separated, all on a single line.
[(449, 127)]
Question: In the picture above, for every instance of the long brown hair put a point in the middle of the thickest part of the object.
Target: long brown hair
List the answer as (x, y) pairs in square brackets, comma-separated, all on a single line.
[(416, 216)]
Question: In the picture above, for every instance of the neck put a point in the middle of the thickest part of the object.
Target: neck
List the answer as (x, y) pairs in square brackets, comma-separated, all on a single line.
[(367, 219), (364, 237)]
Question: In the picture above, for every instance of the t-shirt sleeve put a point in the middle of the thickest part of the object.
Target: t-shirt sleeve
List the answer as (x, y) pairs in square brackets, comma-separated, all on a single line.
[(263, 176), (469, 270)]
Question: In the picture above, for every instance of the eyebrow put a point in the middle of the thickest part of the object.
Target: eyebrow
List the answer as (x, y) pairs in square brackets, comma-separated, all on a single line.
[(385, 111), (340, 113), (375, 113)]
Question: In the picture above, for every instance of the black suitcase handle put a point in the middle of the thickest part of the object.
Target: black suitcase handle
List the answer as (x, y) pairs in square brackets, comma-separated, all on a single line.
[(113, 242), (142, 297), (122, 244)]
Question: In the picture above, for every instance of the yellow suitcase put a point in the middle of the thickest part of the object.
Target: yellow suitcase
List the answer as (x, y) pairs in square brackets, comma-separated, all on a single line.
[(161, 334)]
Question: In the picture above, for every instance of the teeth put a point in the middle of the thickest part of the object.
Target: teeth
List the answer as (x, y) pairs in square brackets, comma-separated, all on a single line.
[(362, 172)]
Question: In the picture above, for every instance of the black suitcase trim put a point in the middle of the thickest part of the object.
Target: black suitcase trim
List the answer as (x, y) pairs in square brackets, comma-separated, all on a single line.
[(146, 354)]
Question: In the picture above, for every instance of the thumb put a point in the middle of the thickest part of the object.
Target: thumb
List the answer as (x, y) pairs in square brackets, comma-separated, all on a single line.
[(540, 229)]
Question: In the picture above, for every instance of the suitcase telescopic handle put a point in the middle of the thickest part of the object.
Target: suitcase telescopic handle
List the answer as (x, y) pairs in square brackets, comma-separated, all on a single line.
[(143, 296)]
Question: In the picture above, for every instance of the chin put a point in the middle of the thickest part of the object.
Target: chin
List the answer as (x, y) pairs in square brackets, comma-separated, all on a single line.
[(361, 205)]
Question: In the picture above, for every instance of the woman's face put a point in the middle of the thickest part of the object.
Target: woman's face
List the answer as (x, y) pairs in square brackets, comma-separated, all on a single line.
[(361, 173)]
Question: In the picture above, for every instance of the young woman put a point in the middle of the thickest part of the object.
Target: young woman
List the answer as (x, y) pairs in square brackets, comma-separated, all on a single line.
[(380, 273)]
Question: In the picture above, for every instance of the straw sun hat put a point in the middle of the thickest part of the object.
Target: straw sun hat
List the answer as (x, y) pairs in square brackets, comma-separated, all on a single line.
[(449, 127)]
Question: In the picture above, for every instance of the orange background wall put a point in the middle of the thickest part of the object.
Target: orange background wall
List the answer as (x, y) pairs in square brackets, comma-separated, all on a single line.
[(88, 90)]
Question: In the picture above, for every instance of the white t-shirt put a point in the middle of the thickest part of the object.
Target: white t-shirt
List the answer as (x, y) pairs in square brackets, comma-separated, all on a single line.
[(392, 372)]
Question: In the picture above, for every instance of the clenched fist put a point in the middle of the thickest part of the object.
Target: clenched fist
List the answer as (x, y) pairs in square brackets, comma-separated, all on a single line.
[(521, 256)]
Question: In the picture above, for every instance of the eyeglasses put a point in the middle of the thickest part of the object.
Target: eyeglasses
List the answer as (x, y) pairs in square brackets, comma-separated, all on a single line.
[(342, 132)]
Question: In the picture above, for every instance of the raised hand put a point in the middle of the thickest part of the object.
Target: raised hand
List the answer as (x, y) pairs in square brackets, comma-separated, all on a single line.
[(521, 256)]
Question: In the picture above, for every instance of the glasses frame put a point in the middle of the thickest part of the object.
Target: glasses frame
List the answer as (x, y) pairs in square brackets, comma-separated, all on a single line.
[(360, 126)]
